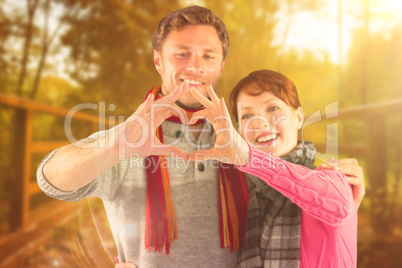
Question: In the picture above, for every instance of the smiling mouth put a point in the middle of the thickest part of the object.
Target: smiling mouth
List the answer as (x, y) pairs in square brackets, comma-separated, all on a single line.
[(267, 138), (192, 82)]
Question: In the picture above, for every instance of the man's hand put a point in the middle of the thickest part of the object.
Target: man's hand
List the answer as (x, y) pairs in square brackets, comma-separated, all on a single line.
[(354, 174), (136, 136), (229, 145)]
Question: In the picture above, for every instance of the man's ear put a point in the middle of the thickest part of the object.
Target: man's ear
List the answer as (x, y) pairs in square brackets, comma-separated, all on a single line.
[(300, 117), (157, 61), (223, 65)]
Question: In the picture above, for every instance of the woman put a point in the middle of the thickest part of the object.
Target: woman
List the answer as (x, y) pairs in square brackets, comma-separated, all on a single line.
[(297, 216)]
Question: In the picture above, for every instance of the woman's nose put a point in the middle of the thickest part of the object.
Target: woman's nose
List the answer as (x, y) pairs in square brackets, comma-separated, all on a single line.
[(260, 122)]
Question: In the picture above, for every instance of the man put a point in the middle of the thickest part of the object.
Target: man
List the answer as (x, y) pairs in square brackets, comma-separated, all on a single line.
[(146, 214), (190, 46)]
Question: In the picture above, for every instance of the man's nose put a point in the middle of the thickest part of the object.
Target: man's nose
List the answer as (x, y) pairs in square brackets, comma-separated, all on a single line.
[(195, 64)]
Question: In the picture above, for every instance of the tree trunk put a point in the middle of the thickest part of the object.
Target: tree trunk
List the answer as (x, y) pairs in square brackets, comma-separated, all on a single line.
[(31, 10), (377, 176), (45, 47)]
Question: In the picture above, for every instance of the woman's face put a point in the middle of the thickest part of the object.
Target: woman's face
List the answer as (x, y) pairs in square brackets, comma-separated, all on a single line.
[(268, 123)]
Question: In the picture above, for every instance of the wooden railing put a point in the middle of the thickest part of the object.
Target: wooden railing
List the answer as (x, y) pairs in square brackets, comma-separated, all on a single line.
[(24, 147)]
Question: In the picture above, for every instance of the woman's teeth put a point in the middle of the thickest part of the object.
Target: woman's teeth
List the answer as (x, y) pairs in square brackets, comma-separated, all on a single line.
[(267, 138)]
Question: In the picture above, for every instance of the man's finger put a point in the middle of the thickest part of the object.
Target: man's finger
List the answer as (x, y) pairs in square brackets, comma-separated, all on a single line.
[(325, 167), (332, 162), (355, 181), (348, 161), (351, 170), (145, 105), (173, 96), (203, 114), (161, 113)]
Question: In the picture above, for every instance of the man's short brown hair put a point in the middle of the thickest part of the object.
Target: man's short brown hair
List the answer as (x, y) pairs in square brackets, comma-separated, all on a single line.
[(192, 15)]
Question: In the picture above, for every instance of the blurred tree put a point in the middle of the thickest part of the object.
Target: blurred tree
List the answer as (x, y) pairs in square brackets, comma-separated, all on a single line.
[(110, 49), (32, 6), (384, 62), (251, 29), (314, 78), (5, 32), (11, 29), (290, 8), (372, 76), (47, 40), (23, 42)]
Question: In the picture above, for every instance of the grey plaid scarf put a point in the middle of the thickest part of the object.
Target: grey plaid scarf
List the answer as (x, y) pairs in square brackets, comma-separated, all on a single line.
[(273, 221)]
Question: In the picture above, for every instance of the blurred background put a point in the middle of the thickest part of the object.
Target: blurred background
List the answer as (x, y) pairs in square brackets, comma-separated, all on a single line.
[(345, 58)]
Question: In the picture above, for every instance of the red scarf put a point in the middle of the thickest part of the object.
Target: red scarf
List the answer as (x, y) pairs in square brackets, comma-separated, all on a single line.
[(161, 222)]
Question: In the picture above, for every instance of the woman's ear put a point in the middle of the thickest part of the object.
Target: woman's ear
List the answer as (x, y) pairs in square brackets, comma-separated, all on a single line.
[(300, 117)]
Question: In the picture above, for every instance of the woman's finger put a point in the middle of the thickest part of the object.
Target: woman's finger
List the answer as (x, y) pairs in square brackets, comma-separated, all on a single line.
[(203, 100), (212, 95)]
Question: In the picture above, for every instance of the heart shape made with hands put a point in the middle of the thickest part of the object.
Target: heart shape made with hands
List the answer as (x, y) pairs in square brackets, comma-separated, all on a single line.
[(228, 141)]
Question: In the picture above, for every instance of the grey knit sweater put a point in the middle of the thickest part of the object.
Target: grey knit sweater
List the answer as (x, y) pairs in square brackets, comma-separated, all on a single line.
[(194, 191)]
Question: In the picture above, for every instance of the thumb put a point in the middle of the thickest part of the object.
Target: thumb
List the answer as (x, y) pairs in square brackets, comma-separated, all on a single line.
[(325, 166)]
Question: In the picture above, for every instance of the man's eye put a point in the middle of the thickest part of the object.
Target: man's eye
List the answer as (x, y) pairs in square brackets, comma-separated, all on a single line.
[(208, 57), (182, 55)]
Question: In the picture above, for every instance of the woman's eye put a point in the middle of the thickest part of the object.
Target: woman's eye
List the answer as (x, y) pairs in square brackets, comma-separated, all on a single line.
[(273, 108), (246, 116)]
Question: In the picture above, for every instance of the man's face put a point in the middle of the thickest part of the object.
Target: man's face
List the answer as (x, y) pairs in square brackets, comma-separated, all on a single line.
[(193, 54)]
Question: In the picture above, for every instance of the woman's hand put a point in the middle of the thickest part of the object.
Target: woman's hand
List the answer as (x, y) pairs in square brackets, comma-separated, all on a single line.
[(229, 146)]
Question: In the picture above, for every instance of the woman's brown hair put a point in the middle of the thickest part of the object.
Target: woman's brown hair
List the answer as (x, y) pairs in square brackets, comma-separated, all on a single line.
[(265, 80)]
